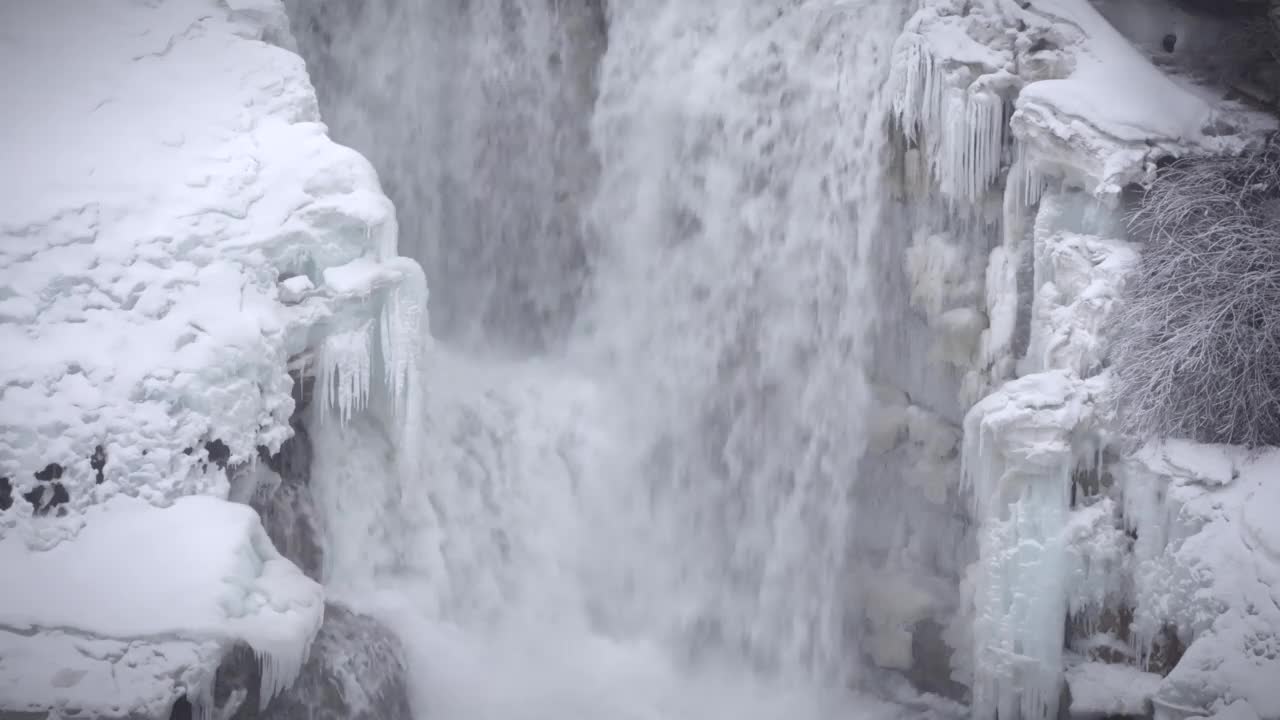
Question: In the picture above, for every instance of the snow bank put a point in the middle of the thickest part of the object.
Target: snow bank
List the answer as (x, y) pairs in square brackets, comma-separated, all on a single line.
[(199, 570), (1208, 554), (167, 183)]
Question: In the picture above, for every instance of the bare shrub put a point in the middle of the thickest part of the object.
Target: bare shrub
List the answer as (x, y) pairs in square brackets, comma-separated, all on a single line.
[(1197, 351)]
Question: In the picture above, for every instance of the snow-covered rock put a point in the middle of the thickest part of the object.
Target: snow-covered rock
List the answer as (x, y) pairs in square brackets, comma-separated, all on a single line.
[(129, 614), (1030, 119), (178, 237), (356, 671), (164, 180)]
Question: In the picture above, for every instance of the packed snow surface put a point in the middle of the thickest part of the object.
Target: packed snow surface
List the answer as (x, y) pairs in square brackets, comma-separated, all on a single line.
[(201, 569)]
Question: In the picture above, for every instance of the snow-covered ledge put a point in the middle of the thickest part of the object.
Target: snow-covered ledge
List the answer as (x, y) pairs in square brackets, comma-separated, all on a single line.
[(175, 228), (1032, 118)]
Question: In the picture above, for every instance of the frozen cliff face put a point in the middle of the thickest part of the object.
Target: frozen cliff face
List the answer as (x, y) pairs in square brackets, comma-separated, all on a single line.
[(1026, 121), (176, 229)]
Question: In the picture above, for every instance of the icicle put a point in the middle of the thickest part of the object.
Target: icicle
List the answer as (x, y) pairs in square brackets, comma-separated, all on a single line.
[(403, 335), (345, 368), (961, 130)]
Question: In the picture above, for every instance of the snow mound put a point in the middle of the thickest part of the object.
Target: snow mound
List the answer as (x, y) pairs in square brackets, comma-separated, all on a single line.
[(166, 185), (200, 570)]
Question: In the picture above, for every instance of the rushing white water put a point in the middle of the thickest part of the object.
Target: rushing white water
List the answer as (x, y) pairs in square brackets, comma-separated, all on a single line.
[(743, 158), (649, 516)]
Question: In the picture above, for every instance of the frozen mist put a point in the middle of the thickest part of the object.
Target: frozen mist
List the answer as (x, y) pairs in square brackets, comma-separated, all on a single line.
[(650, 232)]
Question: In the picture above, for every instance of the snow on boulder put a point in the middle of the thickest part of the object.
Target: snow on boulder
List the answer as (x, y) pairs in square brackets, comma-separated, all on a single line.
[(174, 579), (166, 184)]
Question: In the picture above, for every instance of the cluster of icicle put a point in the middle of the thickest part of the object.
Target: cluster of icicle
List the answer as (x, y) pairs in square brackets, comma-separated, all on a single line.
[(960, 130), (345, 355)]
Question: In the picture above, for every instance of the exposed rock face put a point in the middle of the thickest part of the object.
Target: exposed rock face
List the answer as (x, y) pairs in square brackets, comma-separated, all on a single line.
[(286, 506), (356, 672)]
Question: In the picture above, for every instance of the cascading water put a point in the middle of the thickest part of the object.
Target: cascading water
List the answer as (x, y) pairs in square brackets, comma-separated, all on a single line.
[(743, 151), (646, 513)]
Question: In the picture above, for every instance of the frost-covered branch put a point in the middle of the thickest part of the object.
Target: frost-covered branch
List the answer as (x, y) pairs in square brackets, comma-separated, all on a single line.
[(1197, 354)]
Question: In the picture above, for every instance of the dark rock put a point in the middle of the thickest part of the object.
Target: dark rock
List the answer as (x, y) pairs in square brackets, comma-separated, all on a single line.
[(304, 387), (219, 453), (1169, 43), (289, 517), (182, 710), (1166, 652), (289, 513), (931, 662), (293, 462), (356, 671), (98, 462), (6, 493), (44, 498), (52, 471)]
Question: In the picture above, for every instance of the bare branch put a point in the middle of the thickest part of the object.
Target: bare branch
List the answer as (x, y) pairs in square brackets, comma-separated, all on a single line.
[(1197, 354)]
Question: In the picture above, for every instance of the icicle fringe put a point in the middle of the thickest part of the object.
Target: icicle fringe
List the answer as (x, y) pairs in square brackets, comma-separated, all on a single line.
[(345, 369), (961, 130)]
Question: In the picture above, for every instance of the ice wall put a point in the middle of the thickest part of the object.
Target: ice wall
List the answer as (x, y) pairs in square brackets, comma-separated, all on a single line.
[(1028, 121)]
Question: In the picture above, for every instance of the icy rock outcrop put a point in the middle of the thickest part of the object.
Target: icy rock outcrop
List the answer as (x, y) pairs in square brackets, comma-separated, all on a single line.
[(178, 236), (162, 204), (1026, 120), (356, 671)]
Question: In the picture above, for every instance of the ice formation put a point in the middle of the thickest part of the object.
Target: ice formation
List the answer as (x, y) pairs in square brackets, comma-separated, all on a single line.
[(1022, 445)]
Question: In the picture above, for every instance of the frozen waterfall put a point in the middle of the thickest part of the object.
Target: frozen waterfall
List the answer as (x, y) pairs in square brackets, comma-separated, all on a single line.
[(651, 237)]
